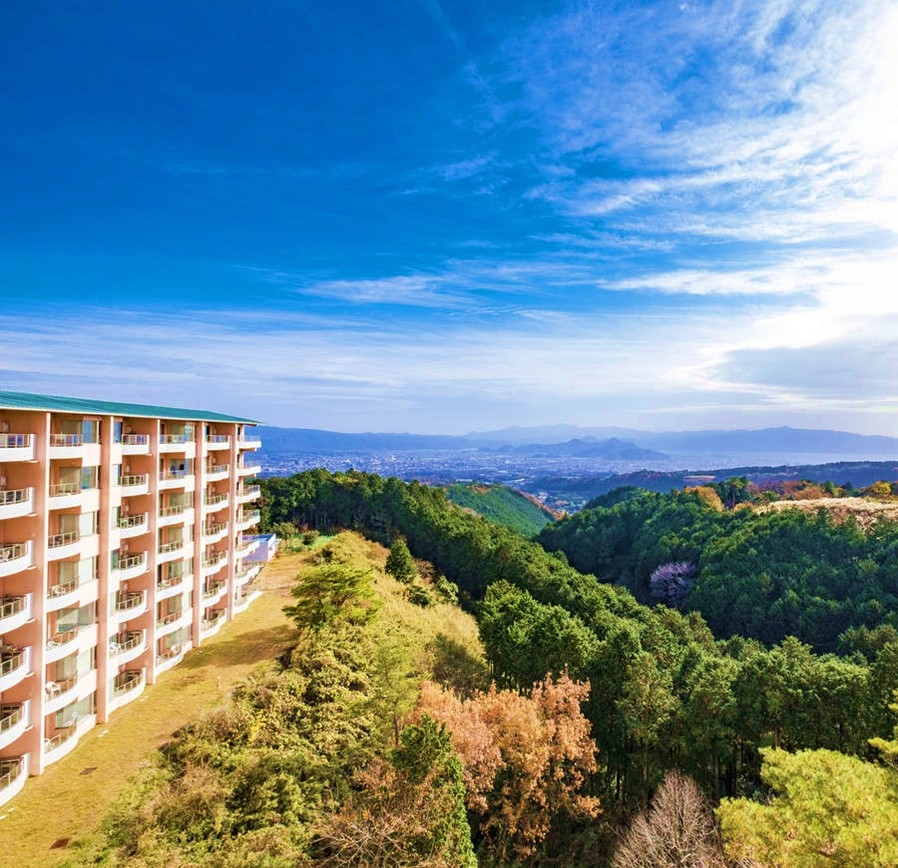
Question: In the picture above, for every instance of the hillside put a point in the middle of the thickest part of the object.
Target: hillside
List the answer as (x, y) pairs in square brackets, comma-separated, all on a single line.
[(502, 505), (865, 512)]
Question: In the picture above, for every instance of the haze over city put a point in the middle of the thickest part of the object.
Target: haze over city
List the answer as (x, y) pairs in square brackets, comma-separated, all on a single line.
[(439, 217)]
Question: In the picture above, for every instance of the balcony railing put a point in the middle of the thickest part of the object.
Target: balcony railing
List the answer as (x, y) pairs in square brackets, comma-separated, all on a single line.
[(13, 551), (62, 588), (130, 521), (10, 715), (127, 680), (52, 689), (248, 517), (15, 441), (131, 561), (57, 540), (122, 642), (14, 495), (213, 499), (60, 738), (170, 618), (212, 590), (64, 637), (12, 661), (250, 491), (176, 438), (173, 546), (168, 511), (214, 528), (11, 769), (171, 581), (63, 489), (215, 559), (10, 606), (209, 623), (134, 479), (217, 468), (218, 438), (135, 439), (65, 440), (126, 602)]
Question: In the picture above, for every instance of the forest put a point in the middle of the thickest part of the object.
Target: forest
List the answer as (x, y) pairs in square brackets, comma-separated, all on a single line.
[(459, 695)]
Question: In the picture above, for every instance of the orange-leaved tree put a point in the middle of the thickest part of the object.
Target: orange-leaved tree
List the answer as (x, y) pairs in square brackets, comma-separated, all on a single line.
[(526, 758)]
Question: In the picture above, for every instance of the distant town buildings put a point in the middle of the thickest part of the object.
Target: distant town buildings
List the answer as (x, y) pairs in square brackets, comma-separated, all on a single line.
[(123, 544)]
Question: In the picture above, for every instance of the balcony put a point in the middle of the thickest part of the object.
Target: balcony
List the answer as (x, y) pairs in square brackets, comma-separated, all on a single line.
[(72, 446), (133, 525), (13, 774), (214, 503), (130, 605), (173, 551), (172, 656), (249, 469), (58, 694), (64, 545), (249, 492), (215, 531), (245, 547), (16, 502), (246, 576), (210, 626), (217, 471), (16, 447), (134, 484), (132, 566), (126, 686), (64, 741), (136, 444), (125, 647), (243, 601), (15, 612), (15, 557), (246, 520), (61, 644), (249, 441), (170, 587), (15, 665), (171, 515), (217, 441), (173, 621), (169, 479), (71, 594), (213, 593), (64, 495), (214, 562), (14, 720)]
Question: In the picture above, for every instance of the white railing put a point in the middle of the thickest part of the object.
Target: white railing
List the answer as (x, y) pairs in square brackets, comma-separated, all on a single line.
[(130, 521), (127, 680), (65, 439), (129, 601), (167, 511), (58, 540), (15, 441), (176, 438), (13, 551), (14, 495), (131, 561), (218, 438), (61, 489), (133, 480), (135, 439)]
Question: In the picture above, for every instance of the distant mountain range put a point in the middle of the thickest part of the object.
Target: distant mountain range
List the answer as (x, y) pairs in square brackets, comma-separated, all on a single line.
[(571, 441)]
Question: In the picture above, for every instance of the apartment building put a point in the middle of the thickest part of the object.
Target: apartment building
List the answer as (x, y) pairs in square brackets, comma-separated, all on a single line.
[(123, 544)]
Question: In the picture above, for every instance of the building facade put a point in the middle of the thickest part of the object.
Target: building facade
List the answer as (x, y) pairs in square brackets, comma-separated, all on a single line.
[(123, 544)]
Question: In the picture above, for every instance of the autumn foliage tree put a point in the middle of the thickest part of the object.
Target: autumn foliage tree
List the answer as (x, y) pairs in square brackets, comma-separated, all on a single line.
[(526, 758)]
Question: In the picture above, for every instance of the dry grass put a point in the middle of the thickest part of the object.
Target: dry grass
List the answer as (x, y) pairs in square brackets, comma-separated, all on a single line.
[(867, 512), (64, 803)]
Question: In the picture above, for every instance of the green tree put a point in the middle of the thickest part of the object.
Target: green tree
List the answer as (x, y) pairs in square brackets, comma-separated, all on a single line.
[(333, 593), (827, 809), (400, 563)]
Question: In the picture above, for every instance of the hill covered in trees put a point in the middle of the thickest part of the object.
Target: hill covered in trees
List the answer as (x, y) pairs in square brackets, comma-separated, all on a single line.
[(665, 693), (503, 505)]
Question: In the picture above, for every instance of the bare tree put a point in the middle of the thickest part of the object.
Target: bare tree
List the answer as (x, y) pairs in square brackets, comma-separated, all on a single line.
[(677, 831)]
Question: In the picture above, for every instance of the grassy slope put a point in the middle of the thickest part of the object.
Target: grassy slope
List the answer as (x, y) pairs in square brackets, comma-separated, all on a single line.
[(502, 505), (65, 804)]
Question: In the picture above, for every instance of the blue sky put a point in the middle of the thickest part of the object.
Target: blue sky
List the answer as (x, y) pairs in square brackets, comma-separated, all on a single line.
[(440, 216)]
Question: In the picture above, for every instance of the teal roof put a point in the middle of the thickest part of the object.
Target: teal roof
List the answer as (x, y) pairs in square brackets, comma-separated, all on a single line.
[(26, 401)]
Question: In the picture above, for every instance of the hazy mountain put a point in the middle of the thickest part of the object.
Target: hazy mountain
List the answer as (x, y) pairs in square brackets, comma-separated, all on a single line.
[(276, 440), (584, 447)]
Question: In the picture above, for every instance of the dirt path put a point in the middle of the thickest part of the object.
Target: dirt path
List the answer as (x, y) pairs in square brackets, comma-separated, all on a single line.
[(73, 795)]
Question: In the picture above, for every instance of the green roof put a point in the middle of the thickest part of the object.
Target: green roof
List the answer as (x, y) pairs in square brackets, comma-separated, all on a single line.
[(26, 401)]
